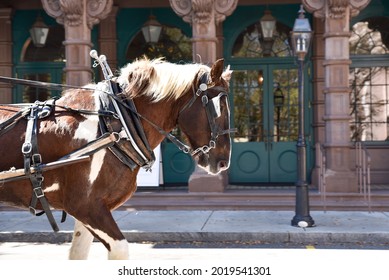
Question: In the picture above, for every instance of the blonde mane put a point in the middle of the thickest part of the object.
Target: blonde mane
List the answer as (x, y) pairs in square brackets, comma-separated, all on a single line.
[(159, 79)]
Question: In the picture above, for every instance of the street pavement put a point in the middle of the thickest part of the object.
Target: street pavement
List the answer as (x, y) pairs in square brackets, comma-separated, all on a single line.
[(218, 242), (332, 227)]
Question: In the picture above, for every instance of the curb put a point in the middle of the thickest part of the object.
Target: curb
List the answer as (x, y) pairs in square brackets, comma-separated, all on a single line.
[(263, 237)]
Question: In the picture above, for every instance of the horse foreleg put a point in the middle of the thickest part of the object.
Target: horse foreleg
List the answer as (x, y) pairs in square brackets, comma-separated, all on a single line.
[(103, 226), (117, 248), (82, 240)]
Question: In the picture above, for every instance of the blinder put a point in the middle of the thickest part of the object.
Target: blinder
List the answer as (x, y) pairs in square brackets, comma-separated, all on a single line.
[(214, 105)]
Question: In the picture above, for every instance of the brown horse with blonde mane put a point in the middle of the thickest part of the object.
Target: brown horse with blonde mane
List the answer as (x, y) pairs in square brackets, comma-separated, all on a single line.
[(165, 95)]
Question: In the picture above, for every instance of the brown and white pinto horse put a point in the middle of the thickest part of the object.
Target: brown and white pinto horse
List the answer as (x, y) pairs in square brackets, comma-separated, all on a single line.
[(90, 190)]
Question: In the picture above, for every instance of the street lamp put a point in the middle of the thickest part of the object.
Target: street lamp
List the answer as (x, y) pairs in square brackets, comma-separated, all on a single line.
[(301, 39)]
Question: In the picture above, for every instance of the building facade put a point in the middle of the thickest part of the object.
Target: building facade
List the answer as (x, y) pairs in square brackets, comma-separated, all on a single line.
[(346, 81)]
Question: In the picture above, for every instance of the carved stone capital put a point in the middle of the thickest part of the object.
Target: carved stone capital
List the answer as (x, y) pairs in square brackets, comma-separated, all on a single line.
[(71, 12), (203, 11), (334, 8)]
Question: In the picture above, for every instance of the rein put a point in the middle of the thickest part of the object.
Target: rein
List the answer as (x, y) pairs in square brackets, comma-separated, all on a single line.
[(202, 92)]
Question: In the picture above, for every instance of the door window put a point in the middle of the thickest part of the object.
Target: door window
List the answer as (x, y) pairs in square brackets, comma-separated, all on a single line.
[(31, 94), (285, 101), (369, 80), (265, 111), (248, 101)]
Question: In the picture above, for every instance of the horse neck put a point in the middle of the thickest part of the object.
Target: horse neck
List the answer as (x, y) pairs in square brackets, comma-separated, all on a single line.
[(164, 114)]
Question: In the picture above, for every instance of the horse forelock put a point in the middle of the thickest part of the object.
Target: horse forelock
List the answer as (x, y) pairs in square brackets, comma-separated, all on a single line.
[(159, 79)]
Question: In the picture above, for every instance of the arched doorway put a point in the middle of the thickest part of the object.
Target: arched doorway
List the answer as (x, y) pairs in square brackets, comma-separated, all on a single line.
[(264, 88)]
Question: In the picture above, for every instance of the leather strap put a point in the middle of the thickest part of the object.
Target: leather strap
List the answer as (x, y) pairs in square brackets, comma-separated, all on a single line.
[(33, 158)]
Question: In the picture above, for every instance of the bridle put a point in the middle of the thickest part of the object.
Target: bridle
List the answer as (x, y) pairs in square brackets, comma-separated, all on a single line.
[(213, 111)]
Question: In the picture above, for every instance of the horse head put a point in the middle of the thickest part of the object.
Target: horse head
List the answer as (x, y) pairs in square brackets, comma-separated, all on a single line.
[(194, 96), (206, 121)]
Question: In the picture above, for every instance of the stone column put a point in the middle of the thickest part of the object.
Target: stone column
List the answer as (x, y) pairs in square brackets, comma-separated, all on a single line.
[(220, 41), (6, 53), (206, 17), (108, 39), (318, 90), (336, 15), (78, 18)]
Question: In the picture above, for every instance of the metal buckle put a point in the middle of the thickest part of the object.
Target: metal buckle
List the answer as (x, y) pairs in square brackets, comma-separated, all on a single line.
[(38, 192), (36, 159), (185, 150), (33, 211), (26, 148), (204, 100)]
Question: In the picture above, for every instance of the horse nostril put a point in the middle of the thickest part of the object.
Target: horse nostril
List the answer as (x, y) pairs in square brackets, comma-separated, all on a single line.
[(223, 164)]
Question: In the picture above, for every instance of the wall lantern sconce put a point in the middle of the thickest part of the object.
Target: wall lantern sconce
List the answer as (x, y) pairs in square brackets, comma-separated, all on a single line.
[(39, 32), (152, 30), (268, 25)]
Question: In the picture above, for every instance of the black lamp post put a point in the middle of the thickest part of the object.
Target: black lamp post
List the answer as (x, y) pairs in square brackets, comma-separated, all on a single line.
[(301, 39)]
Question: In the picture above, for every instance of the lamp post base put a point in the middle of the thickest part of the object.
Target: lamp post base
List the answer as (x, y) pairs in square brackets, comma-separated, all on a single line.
[(302, 207), (308, 221)]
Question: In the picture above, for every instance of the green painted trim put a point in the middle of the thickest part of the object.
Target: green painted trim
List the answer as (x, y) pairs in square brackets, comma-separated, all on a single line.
[(369, 60)]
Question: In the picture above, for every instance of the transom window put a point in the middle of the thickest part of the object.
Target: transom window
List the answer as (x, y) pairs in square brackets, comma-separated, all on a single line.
[(173, 45), (52, 51), (43, 64), (250, 43), (370, 37)]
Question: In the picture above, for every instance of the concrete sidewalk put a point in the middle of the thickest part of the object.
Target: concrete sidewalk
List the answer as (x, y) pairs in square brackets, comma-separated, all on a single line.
[(212, 226)]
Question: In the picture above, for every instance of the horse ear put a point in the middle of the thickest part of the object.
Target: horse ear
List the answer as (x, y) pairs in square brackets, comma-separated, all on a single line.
[(227, 74), (217, 70)]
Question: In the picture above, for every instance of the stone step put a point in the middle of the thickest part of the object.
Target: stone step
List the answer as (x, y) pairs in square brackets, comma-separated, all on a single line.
[(253, 200), (265, 199)]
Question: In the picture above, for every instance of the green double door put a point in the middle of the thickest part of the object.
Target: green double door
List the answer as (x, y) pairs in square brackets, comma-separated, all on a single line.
[(265, 112)]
